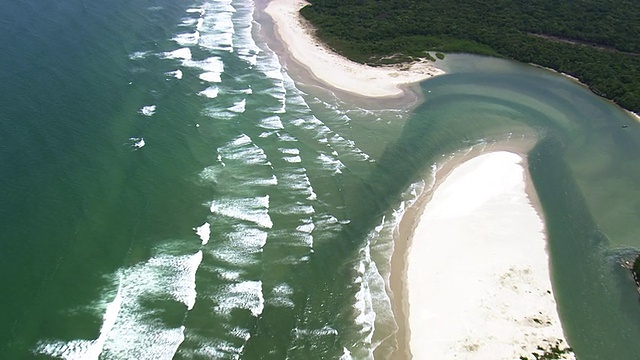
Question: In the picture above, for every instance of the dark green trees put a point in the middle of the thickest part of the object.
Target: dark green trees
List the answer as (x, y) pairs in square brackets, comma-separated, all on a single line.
[(594, 40)]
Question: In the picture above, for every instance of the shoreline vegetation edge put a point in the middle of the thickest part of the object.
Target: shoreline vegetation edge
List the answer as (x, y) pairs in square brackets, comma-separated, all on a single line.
[(335, 71)]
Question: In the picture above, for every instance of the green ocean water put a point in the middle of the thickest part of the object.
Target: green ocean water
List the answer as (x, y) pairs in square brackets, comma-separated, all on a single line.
[(167, 192)]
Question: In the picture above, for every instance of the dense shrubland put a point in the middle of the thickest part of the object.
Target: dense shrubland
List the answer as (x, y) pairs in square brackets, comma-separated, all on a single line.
[(597, 41)]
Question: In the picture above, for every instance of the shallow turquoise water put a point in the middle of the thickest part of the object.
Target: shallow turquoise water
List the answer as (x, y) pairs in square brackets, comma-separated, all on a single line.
[(129, 129)]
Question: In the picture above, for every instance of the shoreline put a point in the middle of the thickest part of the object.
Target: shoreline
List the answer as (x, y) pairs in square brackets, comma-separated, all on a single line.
[(634, 115), (335, 72), (400, 281), (410, 219)]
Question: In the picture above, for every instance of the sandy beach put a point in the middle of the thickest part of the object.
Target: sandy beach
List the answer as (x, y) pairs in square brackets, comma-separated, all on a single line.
[(478, 271), (334, 70)]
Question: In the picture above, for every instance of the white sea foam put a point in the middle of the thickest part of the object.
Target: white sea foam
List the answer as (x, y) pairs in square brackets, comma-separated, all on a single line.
[(292, 260), (187, 39), (378, 228), (247, 91), (276, 90), (244, 43), (299, 122), (301, 238), (234, 258), (218, 174), (131, 326), (229, 275), (293, 238), (243, 139), (323, 331), (199, 24), (210, 348), (292, 159), (364, 304), (182, 53), (147, 110), (286, 137), (289, 151), (297, 180), (138, 55), (295, 209), (218, 113), (279, 109), (243, 295), (210, 76), (137, 142), (306, 227), (346, 354), (177, 74), (273, 73), (204, 232), (243, 149), (253, 210), (325, 135), (217, 26), (298, 183), (85, 349), (327, 223), (200, 11), (188, 22), (184, 290), (330, 163), (248, 56), (349, 147), (213, 68), (272, 181), (266, 134), (247, 238), (239, 107), (271, 122), (137, 332), (210, 92), (280, 296), (296, 99), (216, 40)]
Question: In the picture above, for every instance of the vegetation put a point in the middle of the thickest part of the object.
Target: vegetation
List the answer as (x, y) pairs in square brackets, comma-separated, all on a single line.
[(552, 352), (594, 40), (636, 268)]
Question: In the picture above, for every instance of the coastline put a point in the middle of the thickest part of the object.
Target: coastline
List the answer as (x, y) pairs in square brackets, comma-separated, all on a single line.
[(633, 115), (335, 71), (413, 225), (317, 66)]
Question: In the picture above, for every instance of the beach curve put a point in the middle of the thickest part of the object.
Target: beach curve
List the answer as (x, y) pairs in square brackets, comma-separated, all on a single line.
[(335, 70), (478, 271)]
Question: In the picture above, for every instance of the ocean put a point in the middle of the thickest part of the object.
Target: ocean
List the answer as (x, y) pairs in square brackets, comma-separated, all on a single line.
[(167, 191)]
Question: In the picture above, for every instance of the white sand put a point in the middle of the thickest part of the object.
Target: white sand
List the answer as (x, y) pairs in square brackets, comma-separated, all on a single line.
[(333, 69), (634, 115), (478, 271)]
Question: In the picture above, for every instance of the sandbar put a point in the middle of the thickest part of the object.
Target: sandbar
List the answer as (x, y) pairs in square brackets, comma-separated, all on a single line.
[(334, 70), (478, 279)]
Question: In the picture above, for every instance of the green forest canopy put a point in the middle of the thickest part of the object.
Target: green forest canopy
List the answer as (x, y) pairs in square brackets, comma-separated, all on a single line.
[(597, 41)]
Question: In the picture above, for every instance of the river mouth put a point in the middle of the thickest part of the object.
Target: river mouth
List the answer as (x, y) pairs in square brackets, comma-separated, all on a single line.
[(583, 167), (168, 191)]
